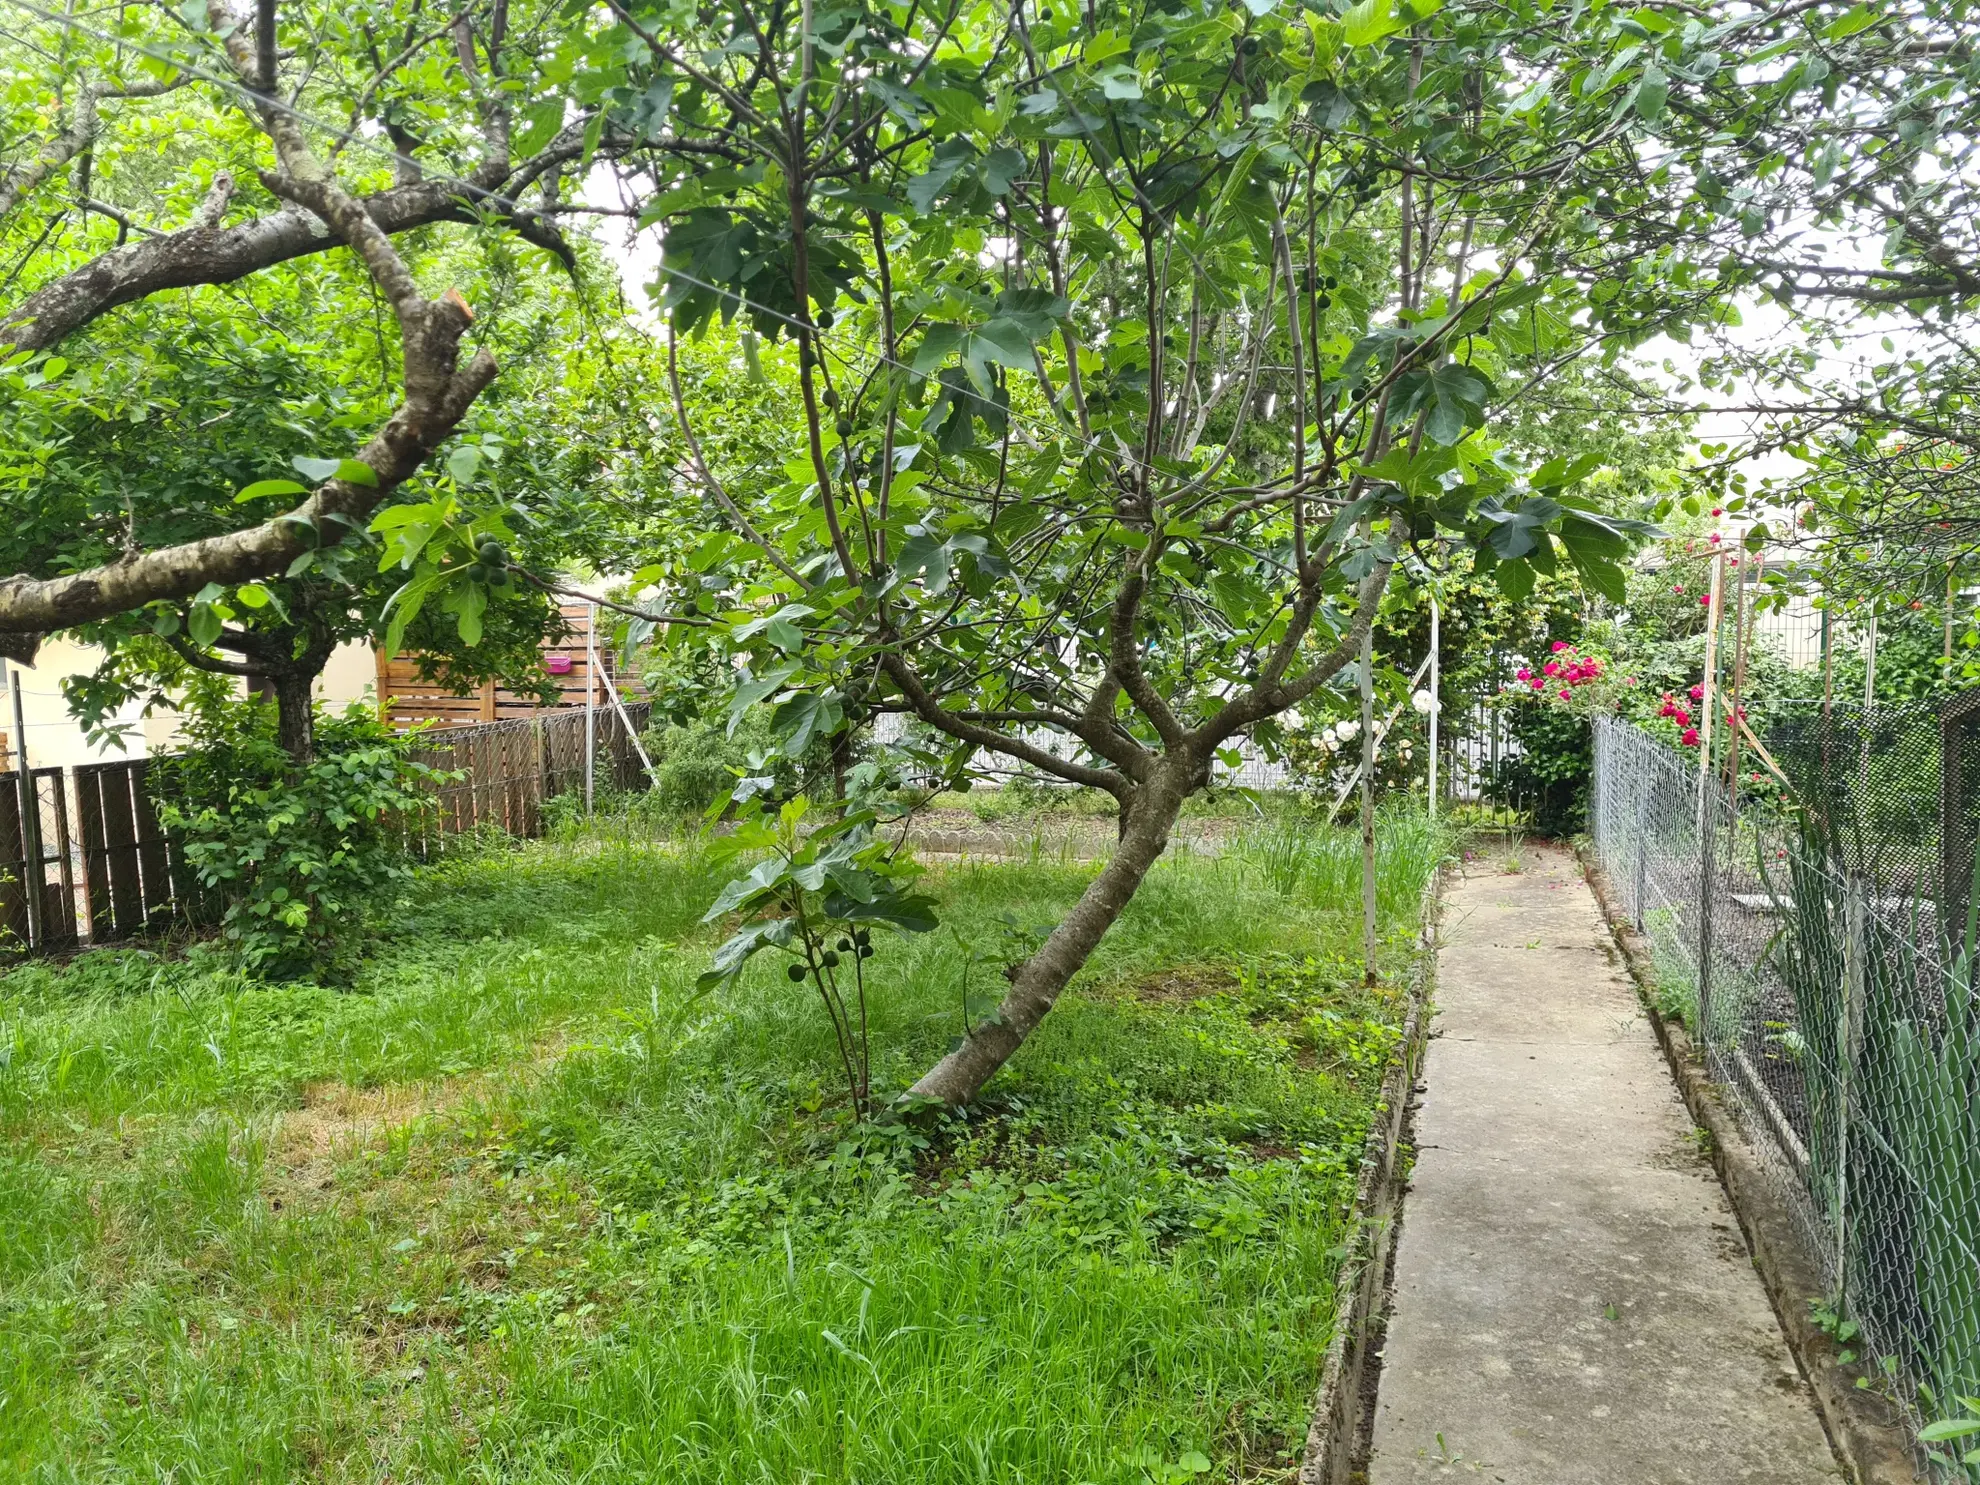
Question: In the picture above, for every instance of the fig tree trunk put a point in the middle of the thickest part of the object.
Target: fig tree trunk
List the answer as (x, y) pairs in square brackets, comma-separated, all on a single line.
[(295, 714), (1146, 824)]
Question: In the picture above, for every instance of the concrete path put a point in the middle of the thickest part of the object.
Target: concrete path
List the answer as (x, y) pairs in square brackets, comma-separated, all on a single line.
[(1574, 1304)]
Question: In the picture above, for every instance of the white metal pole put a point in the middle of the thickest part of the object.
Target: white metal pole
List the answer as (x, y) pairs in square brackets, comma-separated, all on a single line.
[(1436, 692), (590, 696), (1368, 804), (34, 871), (1870, 664)]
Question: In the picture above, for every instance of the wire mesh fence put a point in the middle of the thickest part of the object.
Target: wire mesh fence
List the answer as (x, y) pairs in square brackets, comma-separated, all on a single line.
[(1814, 929)]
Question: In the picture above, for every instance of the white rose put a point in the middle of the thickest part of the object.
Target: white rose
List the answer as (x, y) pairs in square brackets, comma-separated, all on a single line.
[(1423, 701), (1348, 731)]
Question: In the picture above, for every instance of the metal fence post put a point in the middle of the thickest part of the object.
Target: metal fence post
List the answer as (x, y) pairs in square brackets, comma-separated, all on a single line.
[(1850, 1043), (1641, 879), (590, 698), (1707, 871), (33, 868)]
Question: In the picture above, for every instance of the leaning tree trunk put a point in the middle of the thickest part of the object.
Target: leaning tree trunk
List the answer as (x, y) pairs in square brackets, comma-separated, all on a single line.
[(1036, 983)]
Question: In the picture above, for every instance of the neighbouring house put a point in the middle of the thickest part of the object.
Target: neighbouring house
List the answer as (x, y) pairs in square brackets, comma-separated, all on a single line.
[(53, 738), (356, 673)]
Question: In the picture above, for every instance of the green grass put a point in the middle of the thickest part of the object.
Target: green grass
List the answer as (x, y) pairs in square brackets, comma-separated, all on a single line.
[(1300, 858), (1026, 801), (520, 1206)]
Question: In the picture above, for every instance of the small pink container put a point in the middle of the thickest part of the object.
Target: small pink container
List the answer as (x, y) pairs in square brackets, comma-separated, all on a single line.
[(557, 664)]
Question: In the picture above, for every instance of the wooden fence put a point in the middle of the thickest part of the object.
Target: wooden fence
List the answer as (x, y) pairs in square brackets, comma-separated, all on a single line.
[(567, 667), (84, 859), (508, 769)]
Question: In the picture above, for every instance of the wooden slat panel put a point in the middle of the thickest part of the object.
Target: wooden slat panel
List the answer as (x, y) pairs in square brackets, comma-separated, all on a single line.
[(13, 868), (120, 853), (133, 875), (96, 869), (153, 857), (411, 699), (58, 913)]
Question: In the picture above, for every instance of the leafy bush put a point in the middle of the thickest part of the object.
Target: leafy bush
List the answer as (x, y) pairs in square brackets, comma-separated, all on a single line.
[(816, 895), (699, 761), (697, 765), (293, 851), (1555, 761), (1324, 756)]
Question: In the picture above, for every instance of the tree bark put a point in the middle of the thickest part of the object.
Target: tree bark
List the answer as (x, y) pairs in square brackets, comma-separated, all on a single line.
[(1036, 983), (295, 714), (438, 392), (208, 253)]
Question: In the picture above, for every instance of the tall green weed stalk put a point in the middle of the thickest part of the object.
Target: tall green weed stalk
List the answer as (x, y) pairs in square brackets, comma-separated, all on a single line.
[(1304, 858), (1932, 1104)]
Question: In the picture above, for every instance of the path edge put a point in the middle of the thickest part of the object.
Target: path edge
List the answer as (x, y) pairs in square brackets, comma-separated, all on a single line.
[(1362, 1282), (1864, 1431)]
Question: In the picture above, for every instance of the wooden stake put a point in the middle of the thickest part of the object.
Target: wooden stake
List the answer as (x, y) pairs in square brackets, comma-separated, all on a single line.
[(1742, 642), (1711, 667)]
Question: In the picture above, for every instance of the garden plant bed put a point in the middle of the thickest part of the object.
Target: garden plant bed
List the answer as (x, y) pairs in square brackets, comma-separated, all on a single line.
[(519, 1205)]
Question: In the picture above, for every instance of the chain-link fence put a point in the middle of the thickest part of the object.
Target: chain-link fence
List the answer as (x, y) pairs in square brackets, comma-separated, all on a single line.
[(1810, 915)]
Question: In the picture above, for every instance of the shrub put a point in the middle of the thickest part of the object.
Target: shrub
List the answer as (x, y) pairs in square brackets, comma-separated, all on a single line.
[(293, 851), (696, 765), (1553, 766)]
